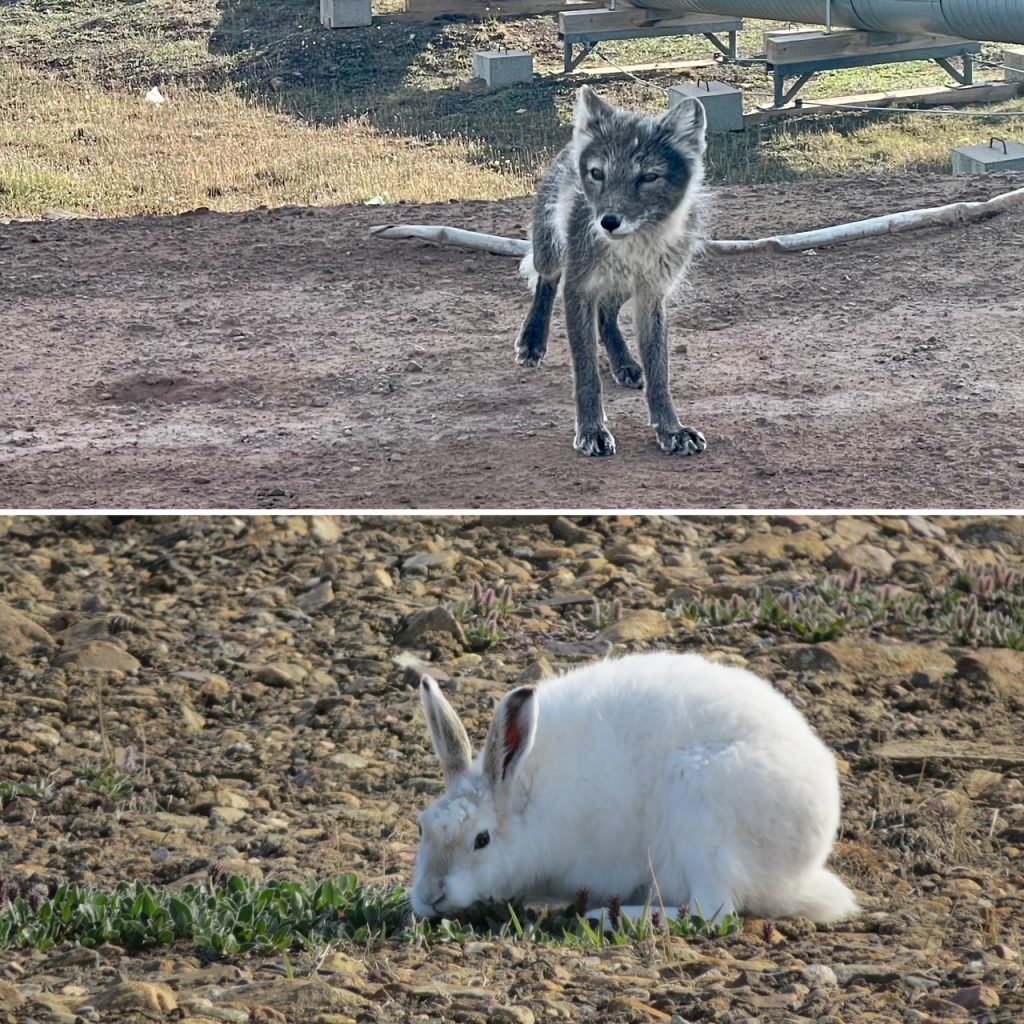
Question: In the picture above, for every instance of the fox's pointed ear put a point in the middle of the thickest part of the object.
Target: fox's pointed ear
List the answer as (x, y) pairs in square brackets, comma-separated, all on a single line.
[(589, 108), (511, 735), (447, 733), (688, 124)]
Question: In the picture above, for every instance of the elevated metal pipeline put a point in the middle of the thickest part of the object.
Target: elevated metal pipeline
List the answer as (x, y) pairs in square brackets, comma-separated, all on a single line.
[(997, 21)]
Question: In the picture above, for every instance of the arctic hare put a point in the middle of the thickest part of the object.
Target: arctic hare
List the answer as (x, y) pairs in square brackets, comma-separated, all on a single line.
[(701, 771)]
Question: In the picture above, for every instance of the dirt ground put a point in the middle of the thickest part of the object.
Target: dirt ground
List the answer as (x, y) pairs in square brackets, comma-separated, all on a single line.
[(243, 675), (286, 359)]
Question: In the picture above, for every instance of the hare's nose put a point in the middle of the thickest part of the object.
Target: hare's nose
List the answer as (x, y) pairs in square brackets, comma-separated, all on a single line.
[(611, 222)]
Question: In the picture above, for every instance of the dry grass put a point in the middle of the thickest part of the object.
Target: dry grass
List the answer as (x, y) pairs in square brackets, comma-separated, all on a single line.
[(102, 153), (266, 107)]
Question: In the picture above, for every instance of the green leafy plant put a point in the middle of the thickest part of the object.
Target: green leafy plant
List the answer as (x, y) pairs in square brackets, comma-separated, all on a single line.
[(235, 916)]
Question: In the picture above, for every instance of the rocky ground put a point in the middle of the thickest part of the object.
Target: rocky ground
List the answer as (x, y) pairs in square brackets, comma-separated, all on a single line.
[(241, 681)]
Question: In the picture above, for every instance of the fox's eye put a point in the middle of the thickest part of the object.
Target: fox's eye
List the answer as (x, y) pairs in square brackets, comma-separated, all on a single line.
[(482, 839), (646, 179), (596, 174)]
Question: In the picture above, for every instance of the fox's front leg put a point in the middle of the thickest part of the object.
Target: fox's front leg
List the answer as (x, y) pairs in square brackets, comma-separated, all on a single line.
[(672, 435), (532, 342), (592, 436)]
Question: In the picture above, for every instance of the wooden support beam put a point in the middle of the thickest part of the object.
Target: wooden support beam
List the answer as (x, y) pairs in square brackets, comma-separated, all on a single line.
[(925, 96), (428, 10), (806, 46), (638, 17)]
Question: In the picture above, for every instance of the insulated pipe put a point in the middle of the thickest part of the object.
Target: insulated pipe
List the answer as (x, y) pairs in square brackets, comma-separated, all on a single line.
[(997, 21)]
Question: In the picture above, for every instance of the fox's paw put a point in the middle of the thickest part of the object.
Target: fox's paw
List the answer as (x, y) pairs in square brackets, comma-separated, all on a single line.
[(629, 375), (684, 441), (530, 349), (594, 441)]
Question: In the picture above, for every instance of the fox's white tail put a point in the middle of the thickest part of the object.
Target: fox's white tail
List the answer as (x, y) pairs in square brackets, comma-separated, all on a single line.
[(823, 897)]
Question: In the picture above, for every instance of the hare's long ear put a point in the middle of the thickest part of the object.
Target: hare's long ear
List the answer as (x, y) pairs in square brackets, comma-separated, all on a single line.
[(511, 735), (447, 733)]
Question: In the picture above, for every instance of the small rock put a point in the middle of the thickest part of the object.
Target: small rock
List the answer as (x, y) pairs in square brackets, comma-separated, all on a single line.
[(99, 656), (974, 996), (868, 557), (433, 620), (318, 596), (10, 997), (136, 997), (820, 976), (432, 560), (18, 633), (325, 529), (647, 624), (281, 673), (535, 672), (998, 666), (511, 1015), (626, 552)]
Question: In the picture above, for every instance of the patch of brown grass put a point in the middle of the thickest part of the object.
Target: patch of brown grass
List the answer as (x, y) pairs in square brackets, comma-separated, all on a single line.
[(110, 153)]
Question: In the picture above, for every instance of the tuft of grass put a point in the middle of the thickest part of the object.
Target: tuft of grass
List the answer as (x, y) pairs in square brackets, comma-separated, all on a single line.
[(982, 607), (34, 789), (236, 916)]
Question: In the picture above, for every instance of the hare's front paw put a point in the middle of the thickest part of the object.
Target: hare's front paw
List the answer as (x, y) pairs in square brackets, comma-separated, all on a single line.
[(684, 441), (594, 441)]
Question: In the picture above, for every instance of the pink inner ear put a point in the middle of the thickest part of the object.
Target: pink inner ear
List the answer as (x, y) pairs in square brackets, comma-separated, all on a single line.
[(513, 741)]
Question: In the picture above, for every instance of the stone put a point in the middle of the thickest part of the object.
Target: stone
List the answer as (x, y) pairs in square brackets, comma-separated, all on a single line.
[(647, 624), (627, 552), (1001, 667), (433, 620), (325, 529), (432, 560), (538, 669), (318, 596), (862, 657), (974, 996), (18, 633), (820, 976), (868, 557), (10, 997), (136, 997), (511, 1015), (281, 673), (99, 656)]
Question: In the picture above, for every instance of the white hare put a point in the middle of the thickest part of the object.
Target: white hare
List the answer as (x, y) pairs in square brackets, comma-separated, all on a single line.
[(700, 772)]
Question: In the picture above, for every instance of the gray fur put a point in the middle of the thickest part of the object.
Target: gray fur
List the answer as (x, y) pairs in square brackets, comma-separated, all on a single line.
[(606, 235), (447, 732)]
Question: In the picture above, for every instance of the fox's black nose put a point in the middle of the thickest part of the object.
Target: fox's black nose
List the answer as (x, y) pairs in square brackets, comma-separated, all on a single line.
[(610, 222)]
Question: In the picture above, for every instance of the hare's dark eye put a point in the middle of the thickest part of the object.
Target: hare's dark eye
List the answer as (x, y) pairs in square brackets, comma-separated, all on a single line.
[(596, 174), (419, 828), (482, 839)]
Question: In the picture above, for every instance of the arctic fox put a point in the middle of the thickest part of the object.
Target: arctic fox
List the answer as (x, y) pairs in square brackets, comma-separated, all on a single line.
[(617, 218)]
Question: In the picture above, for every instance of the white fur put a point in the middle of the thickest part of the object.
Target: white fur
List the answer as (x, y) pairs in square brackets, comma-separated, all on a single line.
[(703, 771)]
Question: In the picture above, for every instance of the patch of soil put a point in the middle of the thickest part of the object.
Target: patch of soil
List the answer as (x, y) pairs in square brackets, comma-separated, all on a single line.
[(244, 674), (373, 374)]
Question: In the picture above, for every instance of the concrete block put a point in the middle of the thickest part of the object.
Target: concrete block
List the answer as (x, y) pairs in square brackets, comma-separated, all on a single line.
[(995, 156), (503, 67), (722, 103), (1013, 58), (346, 13)]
